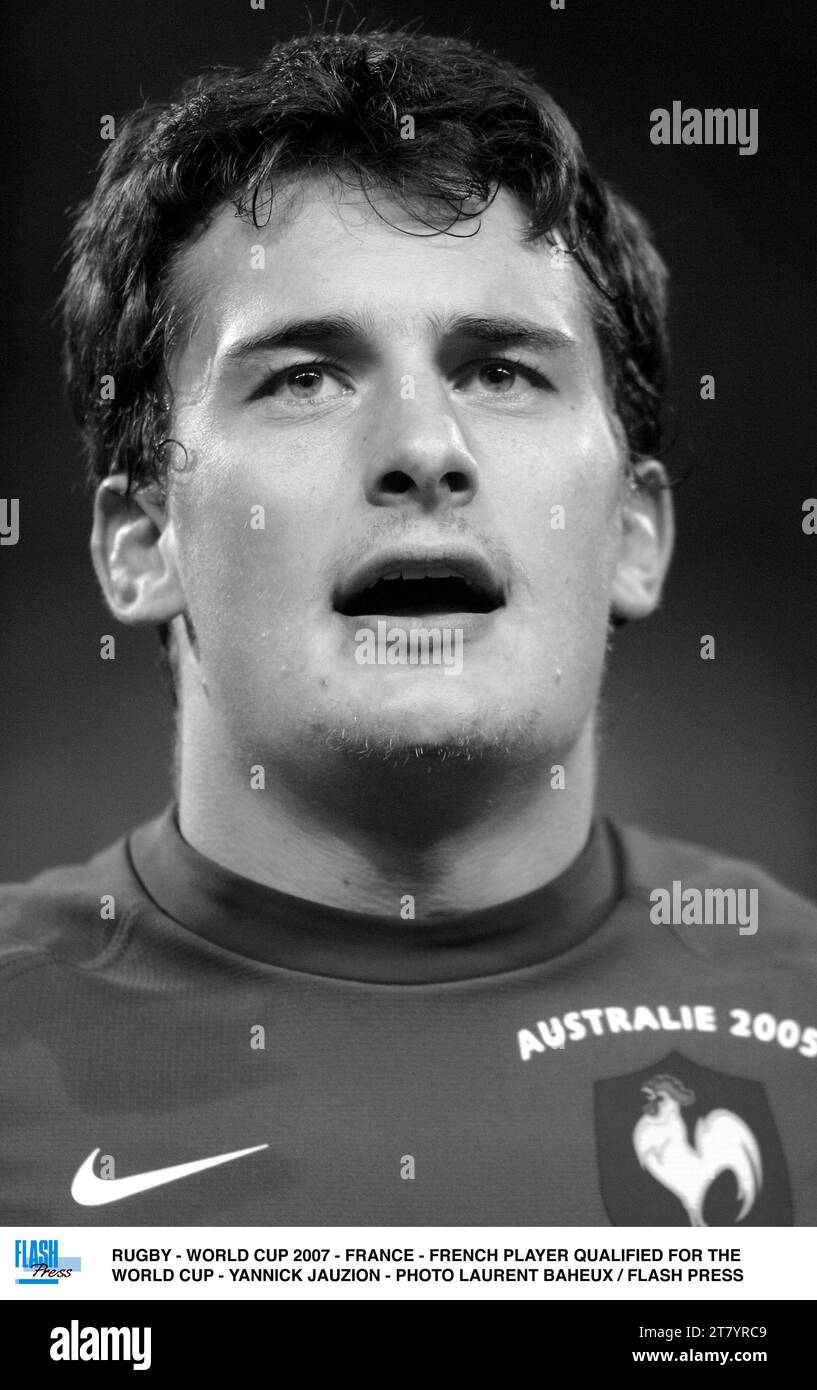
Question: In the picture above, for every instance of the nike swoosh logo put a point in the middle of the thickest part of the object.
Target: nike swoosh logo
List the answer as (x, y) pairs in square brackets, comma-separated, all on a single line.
[(88, 1190)]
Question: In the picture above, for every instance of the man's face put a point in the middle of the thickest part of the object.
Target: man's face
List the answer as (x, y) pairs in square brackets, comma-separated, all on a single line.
[(407, 473)]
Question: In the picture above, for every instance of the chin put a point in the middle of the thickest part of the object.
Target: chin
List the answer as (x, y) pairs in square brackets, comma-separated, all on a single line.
[(400, 737)]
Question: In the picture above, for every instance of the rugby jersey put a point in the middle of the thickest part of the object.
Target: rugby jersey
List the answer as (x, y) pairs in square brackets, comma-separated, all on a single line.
[(634, 1043)]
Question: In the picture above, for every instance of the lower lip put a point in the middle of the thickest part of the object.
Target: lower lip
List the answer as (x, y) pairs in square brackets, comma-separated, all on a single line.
[(471, 625)]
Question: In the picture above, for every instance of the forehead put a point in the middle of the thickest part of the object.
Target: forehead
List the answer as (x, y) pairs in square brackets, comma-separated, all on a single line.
[(325, 248)]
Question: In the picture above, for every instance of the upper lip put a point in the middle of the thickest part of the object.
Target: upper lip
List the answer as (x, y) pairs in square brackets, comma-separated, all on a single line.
[(459, 561)]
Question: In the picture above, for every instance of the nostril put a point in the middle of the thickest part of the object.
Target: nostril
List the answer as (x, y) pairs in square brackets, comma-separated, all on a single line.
[(457, 482), (396, 482)]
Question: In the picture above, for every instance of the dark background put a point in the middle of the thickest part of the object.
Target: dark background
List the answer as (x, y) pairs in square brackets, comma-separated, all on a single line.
[(719, 751)]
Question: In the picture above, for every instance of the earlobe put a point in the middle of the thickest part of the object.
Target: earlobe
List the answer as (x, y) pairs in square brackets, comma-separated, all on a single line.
[(647, 537), (134, 554)]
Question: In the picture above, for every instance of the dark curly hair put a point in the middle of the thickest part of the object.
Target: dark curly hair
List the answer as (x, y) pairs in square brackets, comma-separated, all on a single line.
[(333, 103)]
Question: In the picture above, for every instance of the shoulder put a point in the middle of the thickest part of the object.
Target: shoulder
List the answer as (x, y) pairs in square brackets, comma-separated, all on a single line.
[(660, 871), (69, 912)]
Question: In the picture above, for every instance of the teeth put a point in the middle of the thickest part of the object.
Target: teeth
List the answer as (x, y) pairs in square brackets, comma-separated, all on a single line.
[(416, 572), (428, 572)]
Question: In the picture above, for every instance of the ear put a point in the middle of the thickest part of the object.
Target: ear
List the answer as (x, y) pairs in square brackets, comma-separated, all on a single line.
[(133, 548), (647, 538)]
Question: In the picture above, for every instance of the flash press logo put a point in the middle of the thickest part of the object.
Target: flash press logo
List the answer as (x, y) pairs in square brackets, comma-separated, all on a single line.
[(417, 646), (39, 1262), (75, 1343)]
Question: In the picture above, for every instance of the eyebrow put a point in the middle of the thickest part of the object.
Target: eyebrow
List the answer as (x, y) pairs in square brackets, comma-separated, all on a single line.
[(341, 330)]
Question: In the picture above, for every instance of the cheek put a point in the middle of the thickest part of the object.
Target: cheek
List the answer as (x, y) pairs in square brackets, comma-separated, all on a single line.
[(572, 527), (253, 521), (242, 571)]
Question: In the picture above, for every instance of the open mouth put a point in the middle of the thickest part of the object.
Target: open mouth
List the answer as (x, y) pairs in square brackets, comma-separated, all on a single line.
[(415, 590)]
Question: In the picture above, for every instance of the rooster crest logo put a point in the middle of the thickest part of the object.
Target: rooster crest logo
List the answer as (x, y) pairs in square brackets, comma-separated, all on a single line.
[(723, 1142)]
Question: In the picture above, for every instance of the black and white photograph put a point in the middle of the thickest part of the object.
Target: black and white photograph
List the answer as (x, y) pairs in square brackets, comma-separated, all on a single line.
[(407, 539)]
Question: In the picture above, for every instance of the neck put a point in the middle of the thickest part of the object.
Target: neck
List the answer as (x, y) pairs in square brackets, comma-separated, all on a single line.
[(454, 835)]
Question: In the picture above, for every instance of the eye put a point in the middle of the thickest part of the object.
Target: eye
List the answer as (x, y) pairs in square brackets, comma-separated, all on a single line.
[(500, 376), (304, 382)]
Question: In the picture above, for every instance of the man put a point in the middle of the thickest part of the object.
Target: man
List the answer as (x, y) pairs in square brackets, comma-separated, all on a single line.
[(369, 367)]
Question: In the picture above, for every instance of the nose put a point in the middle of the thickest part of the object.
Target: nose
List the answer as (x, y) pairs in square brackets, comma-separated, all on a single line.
[(417, 456)]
